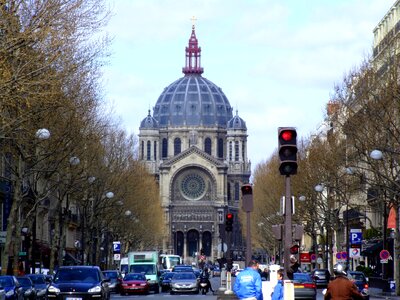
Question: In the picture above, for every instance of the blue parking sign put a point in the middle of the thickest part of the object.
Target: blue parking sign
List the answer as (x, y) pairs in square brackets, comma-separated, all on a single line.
[(117, 247), (355, 236)]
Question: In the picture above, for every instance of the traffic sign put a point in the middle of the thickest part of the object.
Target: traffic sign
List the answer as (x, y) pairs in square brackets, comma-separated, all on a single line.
[(117, 247), (384, 254), (313, 257), (117, 256), (355, 236), (355, 252)]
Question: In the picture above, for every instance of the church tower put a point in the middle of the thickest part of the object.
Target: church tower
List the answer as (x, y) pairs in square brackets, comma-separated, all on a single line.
[(198, 151)]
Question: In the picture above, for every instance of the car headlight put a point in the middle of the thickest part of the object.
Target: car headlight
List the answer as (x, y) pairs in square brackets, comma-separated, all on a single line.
[(96, 289), (41, 292), (143, 284), (53, 289), (10, 293), (28, 291)]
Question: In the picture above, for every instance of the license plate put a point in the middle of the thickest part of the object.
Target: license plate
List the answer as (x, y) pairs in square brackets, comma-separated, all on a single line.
[(73, 298)]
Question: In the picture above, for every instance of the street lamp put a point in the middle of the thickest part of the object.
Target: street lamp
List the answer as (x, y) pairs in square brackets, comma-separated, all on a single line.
[(319, 189)]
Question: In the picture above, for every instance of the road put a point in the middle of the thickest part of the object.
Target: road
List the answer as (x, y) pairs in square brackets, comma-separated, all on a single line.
[(215, 282)]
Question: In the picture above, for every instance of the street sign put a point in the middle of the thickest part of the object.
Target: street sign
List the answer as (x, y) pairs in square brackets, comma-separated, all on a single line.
[(384, 254), (117, 256), (22, 253), (3, 235), (355, 252), (117, 247), (313, 257), (355, 236)]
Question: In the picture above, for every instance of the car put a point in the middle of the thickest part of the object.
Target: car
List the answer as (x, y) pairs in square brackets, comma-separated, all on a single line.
[(28, 288), (216, 271), (165, 281), (182, 268), (304, 286), (78, 282), (321, 277), (115, 280), (41, 283), (11, 287), (134, 283), (361, 281), (184, 282)]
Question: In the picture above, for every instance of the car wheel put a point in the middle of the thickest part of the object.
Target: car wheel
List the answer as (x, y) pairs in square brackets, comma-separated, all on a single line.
[(157, 290), (171, 293), (122, 294)]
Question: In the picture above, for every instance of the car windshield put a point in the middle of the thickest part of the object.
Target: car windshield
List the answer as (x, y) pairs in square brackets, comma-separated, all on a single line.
[(24, 281), (357, 276), (111, 275), (76, 275), (37, 279), (168, 275), (134, 277), (179, 276), (301, 277), (145, 269), (6, 281)]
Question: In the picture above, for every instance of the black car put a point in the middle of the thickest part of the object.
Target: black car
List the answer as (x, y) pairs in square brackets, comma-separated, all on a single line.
[(361, 281), (79, 282), (115, 280), (28, 288), (12, 287), (41, 283), (321, 277), (165, 281)]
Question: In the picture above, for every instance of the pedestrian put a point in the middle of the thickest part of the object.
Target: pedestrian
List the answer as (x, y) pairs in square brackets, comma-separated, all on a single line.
[(293, 268), (248, 283), (265, 274), (342, 288), (277, 294)]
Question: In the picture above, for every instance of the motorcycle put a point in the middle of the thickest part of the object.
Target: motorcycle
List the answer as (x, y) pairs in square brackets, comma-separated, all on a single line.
[(203, 285)]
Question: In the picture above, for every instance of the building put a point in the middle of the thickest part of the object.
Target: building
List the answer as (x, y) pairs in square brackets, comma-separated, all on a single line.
[(197, 149)]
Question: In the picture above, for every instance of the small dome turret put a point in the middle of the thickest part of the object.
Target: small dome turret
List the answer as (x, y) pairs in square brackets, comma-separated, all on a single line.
[(237, 123), (149, 122)]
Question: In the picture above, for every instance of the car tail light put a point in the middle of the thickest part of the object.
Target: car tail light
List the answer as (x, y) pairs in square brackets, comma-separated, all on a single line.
[(365, 285), (309, 285)]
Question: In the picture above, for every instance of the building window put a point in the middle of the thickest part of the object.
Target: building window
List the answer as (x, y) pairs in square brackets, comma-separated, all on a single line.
[(237, 190), (230, 150), (142, 151), (164, 152), (229, 192), (243, 151), (155, 150), (207, 145), (220, 148), (236, 151), (148, 150), (177, 146)]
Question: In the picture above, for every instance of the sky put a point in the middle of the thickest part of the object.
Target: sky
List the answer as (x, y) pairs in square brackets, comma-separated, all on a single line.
[(277, 61)]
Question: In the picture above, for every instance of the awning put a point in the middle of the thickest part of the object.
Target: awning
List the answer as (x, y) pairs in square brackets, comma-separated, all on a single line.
[(372, 248)]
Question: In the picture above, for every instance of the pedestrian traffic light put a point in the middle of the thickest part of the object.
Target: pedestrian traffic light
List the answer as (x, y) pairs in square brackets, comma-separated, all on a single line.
[(294, 249), (229, 222), (247, 197), (287, 137), (247, 189)]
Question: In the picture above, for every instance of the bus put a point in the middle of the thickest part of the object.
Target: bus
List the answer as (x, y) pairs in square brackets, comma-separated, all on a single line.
[(168, 261)]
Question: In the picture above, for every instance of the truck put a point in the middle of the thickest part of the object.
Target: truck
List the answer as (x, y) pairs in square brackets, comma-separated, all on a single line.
[(146, 262)]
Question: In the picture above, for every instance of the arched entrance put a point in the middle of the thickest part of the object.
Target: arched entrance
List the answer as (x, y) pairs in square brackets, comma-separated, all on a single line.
[(193, 242), (207, 243), (179, 243)]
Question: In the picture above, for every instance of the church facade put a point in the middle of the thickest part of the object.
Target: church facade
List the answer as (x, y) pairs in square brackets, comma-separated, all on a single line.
[(197, 149)]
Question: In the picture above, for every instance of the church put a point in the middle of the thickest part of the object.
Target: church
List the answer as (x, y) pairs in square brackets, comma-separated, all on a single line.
[(197, 149)]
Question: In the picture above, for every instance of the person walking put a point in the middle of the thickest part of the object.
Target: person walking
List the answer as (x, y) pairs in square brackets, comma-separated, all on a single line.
[(342, 288), (277, 294), (248, 283)]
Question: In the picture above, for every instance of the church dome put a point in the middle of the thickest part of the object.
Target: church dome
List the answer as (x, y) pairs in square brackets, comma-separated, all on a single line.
[(237, 123), (192, 100), (149, 122)]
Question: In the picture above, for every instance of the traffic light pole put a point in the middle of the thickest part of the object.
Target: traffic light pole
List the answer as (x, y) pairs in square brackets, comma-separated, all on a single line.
[(288, 226)]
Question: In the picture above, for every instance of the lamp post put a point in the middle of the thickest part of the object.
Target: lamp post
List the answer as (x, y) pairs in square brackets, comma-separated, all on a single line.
[(319, 189)]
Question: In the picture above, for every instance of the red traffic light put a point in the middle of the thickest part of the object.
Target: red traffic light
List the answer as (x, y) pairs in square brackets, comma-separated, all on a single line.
[(294, 249), (287, 135), (229, 216), (247, 189)]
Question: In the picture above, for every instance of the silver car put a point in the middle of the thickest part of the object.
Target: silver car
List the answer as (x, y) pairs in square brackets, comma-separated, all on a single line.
[(184, 282)]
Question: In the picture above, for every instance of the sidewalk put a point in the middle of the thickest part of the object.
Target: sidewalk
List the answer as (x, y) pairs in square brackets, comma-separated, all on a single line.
[(377, 293)]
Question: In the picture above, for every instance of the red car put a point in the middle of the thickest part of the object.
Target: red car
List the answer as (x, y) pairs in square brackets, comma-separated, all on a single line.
[(134, 283)]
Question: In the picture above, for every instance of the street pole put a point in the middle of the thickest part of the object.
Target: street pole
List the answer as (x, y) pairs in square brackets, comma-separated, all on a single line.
[(288, 226), (248, 239)]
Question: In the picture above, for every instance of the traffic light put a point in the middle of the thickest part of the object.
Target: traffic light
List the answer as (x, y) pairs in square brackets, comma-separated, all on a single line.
[(287, 137), (294, 249), (247, 197), (228, 222)]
